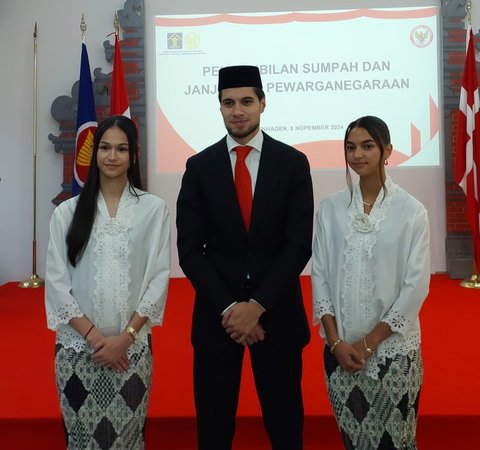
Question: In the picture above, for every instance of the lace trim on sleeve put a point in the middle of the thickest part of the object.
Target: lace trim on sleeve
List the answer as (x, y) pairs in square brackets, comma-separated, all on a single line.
[(389, 348), (398, 322), (62, 315), (320, 308), (153, 310), (69, 338)]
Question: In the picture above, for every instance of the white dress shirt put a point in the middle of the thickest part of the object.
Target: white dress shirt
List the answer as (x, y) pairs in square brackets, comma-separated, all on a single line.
[(253, 158)]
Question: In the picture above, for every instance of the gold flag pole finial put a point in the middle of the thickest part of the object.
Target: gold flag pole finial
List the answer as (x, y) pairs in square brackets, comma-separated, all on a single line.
[(34, 280), (468, 11), (116, 24), (83, 27)]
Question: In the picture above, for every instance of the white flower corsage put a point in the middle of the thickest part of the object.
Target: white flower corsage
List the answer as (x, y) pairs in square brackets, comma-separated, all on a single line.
[(362, 223)]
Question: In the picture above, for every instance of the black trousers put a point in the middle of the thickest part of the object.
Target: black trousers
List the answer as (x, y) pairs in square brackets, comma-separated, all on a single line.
[(277, 375)]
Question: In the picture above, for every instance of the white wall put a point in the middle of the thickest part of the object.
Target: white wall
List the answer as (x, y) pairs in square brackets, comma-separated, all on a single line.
[(59, 41), (58, 65)]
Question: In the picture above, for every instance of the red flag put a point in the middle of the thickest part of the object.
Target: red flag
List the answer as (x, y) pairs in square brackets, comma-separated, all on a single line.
[(118, 91), (467, 151)]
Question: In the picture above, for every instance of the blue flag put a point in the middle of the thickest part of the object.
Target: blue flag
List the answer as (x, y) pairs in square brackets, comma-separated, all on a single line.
[(86, 125)]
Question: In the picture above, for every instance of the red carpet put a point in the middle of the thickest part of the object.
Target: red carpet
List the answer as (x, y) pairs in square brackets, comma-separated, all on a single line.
[(449, 406)]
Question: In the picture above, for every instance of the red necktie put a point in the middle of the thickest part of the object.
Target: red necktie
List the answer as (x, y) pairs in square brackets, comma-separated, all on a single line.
[(243, 184)]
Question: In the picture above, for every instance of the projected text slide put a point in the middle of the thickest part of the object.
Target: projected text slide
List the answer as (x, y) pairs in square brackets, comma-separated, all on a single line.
[(320, 71)]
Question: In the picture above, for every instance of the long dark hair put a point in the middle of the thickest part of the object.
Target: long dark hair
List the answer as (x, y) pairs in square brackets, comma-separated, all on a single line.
[(380, 133), (84, 216)]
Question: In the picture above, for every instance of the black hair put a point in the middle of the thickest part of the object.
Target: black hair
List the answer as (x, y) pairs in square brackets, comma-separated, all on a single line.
[(84, 216)]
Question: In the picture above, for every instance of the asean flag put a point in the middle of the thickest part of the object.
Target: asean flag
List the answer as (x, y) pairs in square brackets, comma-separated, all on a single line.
[(118, 92), (86, 125), (467, 151)]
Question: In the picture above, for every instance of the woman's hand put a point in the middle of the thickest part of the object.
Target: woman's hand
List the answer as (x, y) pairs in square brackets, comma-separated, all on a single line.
[(349, 358), (360, 347), (110, 352)]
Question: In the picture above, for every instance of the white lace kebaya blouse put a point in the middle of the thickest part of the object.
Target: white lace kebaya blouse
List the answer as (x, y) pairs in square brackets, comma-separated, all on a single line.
[(125, 268), (372, 268)]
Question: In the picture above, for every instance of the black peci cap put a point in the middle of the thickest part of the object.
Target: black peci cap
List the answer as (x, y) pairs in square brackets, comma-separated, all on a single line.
[(239, 76)]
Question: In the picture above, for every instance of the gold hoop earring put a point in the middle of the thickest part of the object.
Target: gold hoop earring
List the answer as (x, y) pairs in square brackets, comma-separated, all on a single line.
[(386, 162)]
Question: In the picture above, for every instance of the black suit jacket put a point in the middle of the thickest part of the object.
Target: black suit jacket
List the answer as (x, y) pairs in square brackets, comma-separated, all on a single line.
[(225, 263)]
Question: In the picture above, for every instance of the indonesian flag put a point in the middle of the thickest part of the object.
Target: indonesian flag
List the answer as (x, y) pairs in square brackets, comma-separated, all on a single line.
[(118, 92), (467, 152)]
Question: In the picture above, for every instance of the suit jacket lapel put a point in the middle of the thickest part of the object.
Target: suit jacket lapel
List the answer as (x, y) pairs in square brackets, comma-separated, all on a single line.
[(267, 179)]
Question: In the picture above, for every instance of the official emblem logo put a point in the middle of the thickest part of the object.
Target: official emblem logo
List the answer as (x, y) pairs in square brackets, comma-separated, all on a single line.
[(175, 41), (192, 41), (421, 36)]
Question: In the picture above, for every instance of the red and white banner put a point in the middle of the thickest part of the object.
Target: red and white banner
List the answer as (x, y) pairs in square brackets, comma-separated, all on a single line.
[(118, 93), (467, 151)]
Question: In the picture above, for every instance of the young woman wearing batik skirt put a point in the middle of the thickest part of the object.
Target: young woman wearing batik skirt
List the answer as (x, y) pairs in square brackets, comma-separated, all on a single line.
[(108, 265), (370, 276)]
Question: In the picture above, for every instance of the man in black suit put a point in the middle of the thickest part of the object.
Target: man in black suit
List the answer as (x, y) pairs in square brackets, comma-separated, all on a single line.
[(244, 260)]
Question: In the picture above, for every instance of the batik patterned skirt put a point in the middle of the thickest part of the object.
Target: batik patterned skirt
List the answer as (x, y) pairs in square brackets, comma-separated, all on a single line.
[(101, 408), (376, 414)]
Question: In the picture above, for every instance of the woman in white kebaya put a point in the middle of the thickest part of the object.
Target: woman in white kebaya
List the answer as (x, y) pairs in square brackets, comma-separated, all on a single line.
[(370, 276), (108, 266)]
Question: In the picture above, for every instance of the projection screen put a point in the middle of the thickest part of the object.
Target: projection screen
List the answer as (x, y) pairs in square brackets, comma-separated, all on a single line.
[(321, 69)]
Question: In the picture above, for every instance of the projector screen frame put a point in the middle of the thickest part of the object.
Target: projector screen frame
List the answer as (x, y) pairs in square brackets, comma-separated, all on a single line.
[(429, 188)]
